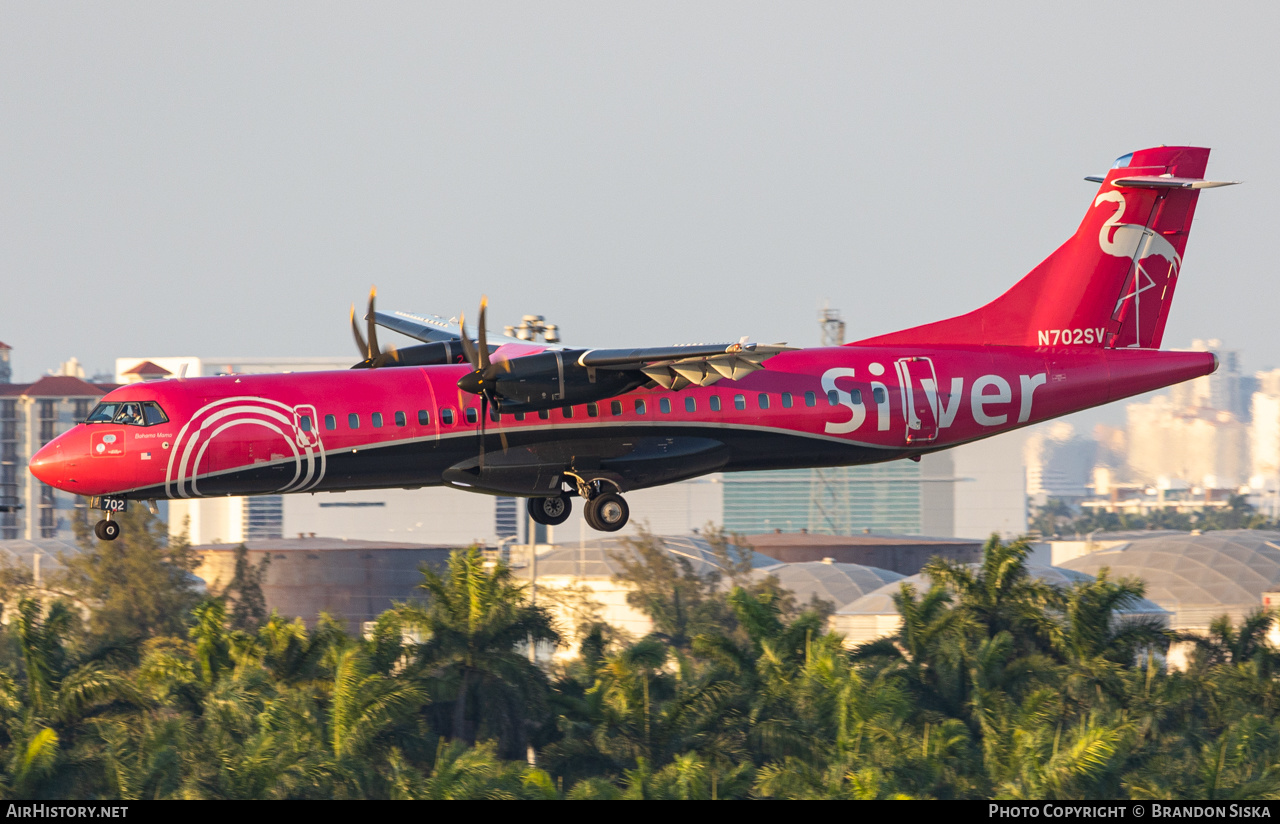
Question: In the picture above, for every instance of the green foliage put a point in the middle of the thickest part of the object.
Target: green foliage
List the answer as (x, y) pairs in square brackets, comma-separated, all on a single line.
[(1056, 517), (138, 586), (994, 686)]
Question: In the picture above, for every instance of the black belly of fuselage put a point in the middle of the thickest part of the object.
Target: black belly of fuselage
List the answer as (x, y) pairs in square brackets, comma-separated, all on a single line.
[(531, 461)]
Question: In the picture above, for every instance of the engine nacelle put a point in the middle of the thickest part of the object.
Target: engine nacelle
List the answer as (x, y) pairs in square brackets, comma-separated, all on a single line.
[(552, 379)]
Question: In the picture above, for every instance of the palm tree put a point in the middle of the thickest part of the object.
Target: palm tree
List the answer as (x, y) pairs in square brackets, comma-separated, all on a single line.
[(475, 622)]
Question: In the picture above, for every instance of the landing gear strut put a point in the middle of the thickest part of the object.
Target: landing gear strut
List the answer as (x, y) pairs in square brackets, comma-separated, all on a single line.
[(603, 511), (107, 529)]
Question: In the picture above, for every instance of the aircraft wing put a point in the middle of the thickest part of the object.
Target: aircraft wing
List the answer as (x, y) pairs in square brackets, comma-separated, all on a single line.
[(675, 367), (435, 329)]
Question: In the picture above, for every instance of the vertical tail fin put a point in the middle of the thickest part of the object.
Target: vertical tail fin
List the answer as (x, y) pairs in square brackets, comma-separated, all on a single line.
[(1111, 284)]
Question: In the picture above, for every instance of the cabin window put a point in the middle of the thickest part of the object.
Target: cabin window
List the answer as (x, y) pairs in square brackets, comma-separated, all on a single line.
[(304, 423), (833, 397), (786, 400), (690, 404), (715, 403), (615, 408), (810, 399), (424, 417), (879, 395), (664, 406), (446, 416), (519, 416), (353, 420), (740, 402), (472, 415), (763, 400), (593, 411), (856, 396), (544, 414), (330, 422), (639, 406), (494, 414), (567, 412), (377, 420), (401, 420)]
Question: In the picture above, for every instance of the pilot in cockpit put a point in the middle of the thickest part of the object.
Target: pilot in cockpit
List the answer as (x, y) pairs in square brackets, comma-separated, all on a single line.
[(131, 414)]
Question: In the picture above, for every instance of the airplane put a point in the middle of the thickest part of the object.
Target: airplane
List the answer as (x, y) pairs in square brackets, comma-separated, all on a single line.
[(549, 423)]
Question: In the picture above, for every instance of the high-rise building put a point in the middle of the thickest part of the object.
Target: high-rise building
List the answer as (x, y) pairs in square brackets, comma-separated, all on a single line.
[(1226, 390), (1200, 446), (1059, 462), (902, 497), (1265, 443)]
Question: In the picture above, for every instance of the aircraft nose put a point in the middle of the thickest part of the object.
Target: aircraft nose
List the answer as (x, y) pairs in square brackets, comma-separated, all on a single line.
[(48, 464)]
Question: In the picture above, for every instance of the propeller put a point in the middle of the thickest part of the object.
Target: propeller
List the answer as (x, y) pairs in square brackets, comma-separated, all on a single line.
[(479, 380), (373, 356)]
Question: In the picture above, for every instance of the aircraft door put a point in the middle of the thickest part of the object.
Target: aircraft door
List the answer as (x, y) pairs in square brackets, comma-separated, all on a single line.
[(918, 407), (307, 432)]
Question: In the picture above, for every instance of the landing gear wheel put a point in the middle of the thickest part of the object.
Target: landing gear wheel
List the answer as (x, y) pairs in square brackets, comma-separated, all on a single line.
[(107, 530), (607, 512), (550, 511)]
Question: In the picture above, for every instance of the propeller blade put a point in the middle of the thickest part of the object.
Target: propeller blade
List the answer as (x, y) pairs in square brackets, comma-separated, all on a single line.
[(360, 343), (484, 416), (484, 344), (468, 348), (374, 352)]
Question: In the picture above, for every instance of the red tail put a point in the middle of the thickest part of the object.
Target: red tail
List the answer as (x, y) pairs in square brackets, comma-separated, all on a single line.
[(1110, 284)]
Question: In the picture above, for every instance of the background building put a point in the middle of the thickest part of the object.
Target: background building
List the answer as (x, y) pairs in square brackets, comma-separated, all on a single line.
[(900, 497), (1264, 479), (990, 488), (351, 580), (1196, 577), (1059, 462), (31, 415), (875, 615)]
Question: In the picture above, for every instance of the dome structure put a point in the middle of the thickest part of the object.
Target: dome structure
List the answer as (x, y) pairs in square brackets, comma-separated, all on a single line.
[(828, 581), (875, 615), (1197, 577)]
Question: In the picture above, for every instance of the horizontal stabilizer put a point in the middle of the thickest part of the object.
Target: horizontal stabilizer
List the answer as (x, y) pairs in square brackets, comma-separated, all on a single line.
[(1164, 182)]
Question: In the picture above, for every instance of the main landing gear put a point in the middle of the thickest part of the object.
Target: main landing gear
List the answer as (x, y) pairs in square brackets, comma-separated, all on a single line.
[(607, 512), (603, 510), (550, 511), (106, 529)]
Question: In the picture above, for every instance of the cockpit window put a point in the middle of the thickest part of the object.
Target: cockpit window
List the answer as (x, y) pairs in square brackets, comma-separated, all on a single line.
[(153, 414), (129, 413), (102, 413)]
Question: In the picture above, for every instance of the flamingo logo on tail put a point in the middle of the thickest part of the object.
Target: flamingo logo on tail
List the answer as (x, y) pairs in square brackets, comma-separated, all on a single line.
[(1135, 243)]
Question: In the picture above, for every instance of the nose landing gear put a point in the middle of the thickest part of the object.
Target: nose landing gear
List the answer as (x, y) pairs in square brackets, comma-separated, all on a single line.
[(107, 529)]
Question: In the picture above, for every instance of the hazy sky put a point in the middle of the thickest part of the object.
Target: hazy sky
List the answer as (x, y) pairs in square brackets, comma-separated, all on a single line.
[(226, 178)]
